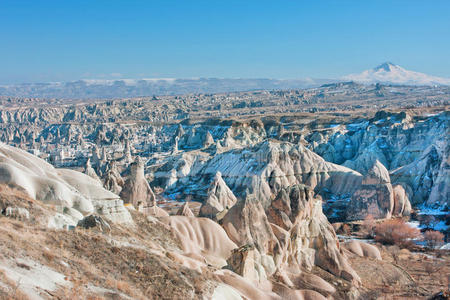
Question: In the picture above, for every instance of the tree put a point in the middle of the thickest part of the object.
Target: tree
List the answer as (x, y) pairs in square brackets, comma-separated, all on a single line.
[(396, 232), (433, 238)]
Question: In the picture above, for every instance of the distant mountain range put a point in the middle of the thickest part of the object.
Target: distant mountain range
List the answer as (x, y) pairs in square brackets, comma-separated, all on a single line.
[(390, 73), (123, 88), (386, 73)]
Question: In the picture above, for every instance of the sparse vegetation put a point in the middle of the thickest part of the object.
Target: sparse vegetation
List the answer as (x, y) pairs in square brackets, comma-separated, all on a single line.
[(396, 232), (433, 238)]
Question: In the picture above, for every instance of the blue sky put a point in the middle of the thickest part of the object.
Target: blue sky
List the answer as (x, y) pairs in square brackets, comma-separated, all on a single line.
[(68, 40)]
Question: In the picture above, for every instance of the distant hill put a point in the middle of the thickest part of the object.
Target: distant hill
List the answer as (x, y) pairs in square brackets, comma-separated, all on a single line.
[(387, 73), (123, 88)]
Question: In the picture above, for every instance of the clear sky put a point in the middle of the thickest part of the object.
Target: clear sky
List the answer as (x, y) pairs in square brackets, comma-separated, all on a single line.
[(67, 40)]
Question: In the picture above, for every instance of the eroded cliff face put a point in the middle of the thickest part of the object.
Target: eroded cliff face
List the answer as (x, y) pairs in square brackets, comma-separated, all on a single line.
[(261, 170), (306, 237), (414, 150)]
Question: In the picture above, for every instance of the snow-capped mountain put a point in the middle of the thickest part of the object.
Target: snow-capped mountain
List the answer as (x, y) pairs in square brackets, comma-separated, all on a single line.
[(390, 73)]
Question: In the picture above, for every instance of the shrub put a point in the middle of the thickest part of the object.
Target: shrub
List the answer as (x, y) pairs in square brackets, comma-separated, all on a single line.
[(433, 238), (396, 232), (430, 268), (368, 226)]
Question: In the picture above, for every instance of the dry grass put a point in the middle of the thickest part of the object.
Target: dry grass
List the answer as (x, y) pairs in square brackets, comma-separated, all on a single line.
[(433, 238), (421, 274), (13, 291), (89, 258)]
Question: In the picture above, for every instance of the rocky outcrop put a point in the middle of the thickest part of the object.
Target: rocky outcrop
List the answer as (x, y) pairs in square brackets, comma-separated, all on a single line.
[(94, 221), (136, 189), (428, 177), (307, 239), (242, 262), (185, 211), (88, 170), (112, 179), (296, 235), (74, 194), (209, 140), (220, 198), (414, 149), (246, 224), (260, 170), (378, 197), (375, 196), (113, 211), (362, 249), (402, 206), (202, 237)]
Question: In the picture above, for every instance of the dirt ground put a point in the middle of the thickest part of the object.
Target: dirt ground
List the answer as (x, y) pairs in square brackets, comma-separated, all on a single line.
[(403, 274), (94, 258)]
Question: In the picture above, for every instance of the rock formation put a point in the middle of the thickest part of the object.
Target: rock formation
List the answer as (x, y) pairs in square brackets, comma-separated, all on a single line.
[(88, 170), (428, 176), (209, 140), (402, 206), (136, 189), (74, 194), (112, 179), (362, 249), (202, 237), (262, 170), (185, 210), (377, 197), (219, 199)]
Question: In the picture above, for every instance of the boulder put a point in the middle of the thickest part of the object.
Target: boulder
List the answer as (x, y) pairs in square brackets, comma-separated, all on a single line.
[(113, 210), (94, 221), (19, 213), (242, 262)]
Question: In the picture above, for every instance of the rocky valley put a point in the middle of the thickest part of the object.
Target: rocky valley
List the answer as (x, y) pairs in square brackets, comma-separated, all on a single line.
[(262, 194)]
